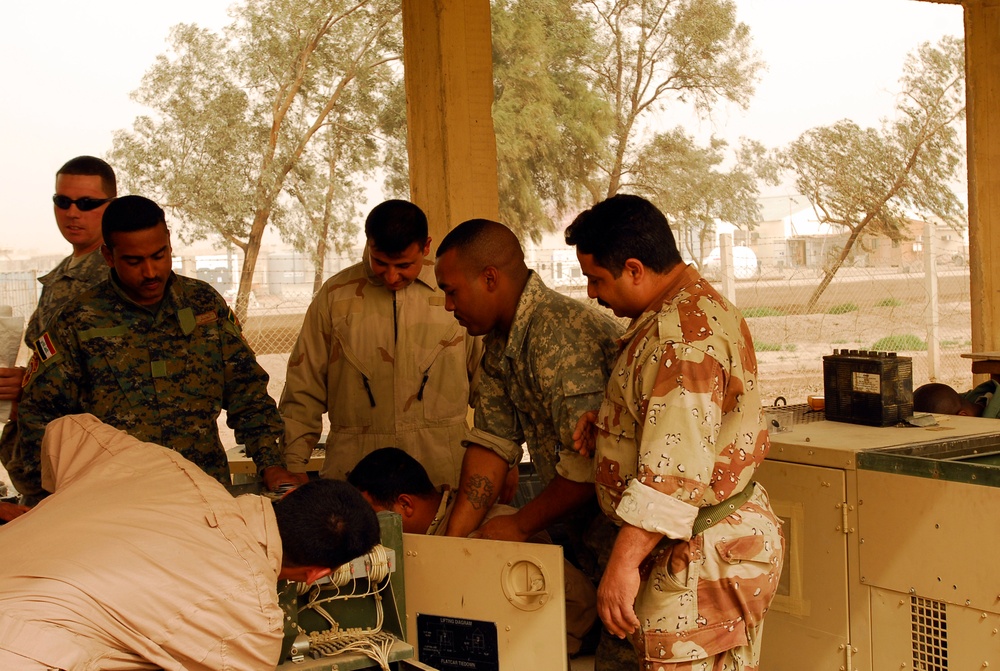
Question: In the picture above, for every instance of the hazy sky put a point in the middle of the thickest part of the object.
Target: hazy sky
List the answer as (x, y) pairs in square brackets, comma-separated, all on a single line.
[(68, 68)]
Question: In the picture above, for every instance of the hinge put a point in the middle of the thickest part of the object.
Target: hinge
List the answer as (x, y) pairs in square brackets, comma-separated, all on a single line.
[(849, 651), (843, 526)]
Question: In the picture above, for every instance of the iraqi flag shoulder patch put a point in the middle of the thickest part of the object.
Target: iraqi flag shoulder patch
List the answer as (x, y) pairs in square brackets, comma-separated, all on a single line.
[(45, 348)]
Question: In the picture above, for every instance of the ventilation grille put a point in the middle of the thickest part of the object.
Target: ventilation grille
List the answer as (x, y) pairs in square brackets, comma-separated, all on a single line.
[(929, 629)]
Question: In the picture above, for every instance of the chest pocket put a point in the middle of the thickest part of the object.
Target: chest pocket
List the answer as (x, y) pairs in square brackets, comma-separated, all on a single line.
[(195, 365), (444, 388), (114, 362)]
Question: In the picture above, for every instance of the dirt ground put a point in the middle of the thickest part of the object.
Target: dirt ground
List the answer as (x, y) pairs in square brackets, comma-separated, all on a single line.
[(790, 349)]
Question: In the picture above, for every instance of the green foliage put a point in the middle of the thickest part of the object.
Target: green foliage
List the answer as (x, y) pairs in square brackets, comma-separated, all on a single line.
[(653, 52), (842, 308), (760, 346), (889, 303), (867, 180), (791, 347), (251, 127), (686, 182), (762, 312), (550, 123), (899, 343)]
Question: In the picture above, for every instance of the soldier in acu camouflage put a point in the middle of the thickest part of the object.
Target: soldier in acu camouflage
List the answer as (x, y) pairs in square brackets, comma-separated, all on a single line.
[(84, 186), (380, 356), (151, 353), (546, 361), (678, 436)]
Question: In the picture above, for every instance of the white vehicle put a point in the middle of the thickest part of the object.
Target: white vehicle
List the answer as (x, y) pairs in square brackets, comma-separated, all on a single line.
[(745, 264)]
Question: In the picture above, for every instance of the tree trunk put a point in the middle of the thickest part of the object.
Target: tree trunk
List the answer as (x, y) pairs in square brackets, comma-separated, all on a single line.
[(832, 270)]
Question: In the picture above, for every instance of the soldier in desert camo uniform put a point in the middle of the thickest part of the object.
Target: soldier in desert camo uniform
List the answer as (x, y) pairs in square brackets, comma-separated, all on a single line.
[(152, 353), (678, 437)]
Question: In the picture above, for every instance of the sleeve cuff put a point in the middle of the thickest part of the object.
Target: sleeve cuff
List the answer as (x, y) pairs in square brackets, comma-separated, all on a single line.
[(507, 450), (575, 467), (644, 507)]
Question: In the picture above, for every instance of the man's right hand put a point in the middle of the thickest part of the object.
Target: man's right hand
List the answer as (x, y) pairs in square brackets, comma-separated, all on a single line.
[(585, 434), (11, 380)]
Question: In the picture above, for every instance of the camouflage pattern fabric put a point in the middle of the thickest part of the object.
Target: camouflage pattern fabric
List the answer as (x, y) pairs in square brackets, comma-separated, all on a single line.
[(62, 284), (59, 286), (390, 369), (163, 376), (986, 395), (681, 427), (536, 383)]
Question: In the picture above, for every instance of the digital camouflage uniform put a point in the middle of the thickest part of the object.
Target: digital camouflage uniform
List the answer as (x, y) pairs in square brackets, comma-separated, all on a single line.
[(681, 427), (390, 369), (538, 380), (59, 286), (62, 283), (163, 376)]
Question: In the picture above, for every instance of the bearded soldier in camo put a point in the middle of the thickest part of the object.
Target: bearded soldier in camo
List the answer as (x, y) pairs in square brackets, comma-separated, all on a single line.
[(152, 353)]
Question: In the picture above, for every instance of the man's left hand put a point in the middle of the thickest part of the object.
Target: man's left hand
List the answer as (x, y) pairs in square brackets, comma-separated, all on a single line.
[(276, 476)]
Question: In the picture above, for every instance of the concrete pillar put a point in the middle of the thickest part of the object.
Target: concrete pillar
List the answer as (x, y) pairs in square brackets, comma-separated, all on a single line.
[(448, 70)]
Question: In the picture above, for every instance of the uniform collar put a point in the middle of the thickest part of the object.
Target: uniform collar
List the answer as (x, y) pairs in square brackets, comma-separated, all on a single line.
[(678, 278), (532, 295), (169, 299)]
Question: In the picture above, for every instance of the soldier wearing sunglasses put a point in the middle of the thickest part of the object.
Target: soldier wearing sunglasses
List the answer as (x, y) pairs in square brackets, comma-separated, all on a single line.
[(84, 187)]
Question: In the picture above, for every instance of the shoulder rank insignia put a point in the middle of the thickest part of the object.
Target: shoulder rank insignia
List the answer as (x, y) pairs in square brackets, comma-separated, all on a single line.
[(45, 347), (233, 320), (32, 369)]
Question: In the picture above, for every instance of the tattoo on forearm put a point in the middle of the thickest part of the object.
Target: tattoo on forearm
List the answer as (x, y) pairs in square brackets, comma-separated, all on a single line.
[(479, 491)]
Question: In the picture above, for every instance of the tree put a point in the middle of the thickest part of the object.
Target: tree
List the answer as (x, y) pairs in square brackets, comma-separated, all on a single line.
[(236, 114), (551, 124), (654, 51), (686, 182), (868, 180)]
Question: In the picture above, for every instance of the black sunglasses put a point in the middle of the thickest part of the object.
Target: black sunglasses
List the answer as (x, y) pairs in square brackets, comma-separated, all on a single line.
[(85, 204)]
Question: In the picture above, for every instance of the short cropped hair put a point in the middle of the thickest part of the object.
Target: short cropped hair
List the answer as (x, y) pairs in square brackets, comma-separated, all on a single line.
[(325, 523), (625, 227), (93, 166), (130, 213), (387, 473), (394, 225), (483, 242), (938, 398)]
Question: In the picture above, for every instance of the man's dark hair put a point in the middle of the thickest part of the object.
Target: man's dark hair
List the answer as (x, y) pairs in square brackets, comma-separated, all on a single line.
[(938, 398), (394, 225), (325, 523), (625, 227), (130, 213), (93, 166), (483, 242), (388, 472)]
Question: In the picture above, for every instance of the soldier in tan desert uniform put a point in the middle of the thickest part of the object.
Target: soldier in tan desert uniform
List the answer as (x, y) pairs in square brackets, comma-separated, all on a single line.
[(678, 437), (380, 355)]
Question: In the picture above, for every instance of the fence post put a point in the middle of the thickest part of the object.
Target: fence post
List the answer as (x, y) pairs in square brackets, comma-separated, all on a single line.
[(930, 272), (726, 266)]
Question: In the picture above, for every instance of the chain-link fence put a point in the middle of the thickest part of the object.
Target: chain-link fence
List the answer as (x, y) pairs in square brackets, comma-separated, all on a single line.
[(881, 300)]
